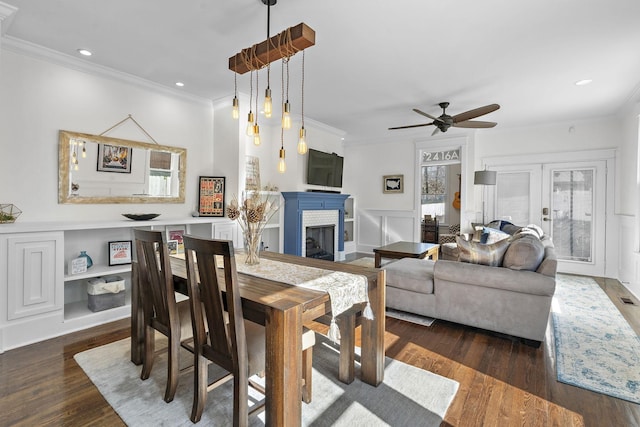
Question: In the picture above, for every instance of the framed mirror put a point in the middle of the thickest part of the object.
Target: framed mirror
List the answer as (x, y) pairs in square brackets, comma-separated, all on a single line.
[(100, 169)]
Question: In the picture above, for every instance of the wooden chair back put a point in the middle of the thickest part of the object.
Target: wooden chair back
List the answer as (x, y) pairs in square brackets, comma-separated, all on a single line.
[(160, 311), (156, 280)]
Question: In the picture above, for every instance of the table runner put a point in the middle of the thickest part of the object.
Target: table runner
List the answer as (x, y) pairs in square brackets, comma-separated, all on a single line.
[(344, 289)]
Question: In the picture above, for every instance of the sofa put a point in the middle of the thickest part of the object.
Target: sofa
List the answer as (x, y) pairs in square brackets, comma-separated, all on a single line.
[(504, 285)]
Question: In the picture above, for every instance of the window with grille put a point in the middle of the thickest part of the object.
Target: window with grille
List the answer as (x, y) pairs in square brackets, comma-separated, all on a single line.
[(434, 191)]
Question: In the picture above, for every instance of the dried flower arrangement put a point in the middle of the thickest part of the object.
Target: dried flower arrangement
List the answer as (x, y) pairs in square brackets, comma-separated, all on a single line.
[(253, 213)]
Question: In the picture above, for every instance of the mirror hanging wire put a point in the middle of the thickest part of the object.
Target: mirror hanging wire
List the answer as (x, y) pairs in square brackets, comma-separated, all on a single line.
[(130, 117)]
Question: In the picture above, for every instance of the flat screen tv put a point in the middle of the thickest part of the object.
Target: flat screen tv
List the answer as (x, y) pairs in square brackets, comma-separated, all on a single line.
[(324, 169)]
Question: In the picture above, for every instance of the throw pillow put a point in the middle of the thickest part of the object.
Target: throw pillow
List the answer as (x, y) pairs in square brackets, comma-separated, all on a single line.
[(479, 253), (537, 229), (491, 235), (525, 253)]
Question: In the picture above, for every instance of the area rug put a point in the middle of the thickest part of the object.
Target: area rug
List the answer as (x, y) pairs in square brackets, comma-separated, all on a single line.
[(410, 317), (407, 395), (363, 262), (596, 349)]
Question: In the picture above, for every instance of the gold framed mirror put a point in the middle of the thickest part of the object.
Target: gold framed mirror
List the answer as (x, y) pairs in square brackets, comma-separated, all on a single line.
[(100, 169)]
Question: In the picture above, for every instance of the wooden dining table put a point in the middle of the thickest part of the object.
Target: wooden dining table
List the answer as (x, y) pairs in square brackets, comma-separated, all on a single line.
[(283, 309)]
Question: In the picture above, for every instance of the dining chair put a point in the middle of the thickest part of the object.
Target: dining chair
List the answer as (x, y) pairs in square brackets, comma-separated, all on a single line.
[(233, 343), (160, 310)]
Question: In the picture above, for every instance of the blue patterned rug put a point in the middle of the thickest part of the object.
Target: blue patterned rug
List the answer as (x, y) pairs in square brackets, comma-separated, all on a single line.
[(596, 349)]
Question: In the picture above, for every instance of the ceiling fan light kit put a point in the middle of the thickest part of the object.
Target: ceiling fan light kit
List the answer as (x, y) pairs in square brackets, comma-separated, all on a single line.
[(462, 120)]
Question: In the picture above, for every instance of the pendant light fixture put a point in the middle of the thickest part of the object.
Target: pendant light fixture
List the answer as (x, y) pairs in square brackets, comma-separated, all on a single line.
[(250, 119), (283, 46), (256, 128), (235, 112), (282, 166), (302, 140), (286, 107), (268, 106)]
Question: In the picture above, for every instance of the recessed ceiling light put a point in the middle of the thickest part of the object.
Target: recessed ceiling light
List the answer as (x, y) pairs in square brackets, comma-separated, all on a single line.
[(85, 52), (179, 84), (583, 82)]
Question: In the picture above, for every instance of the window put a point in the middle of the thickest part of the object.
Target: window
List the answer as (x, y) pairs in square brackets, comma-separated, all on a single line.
[(160, 173), (434, 191)]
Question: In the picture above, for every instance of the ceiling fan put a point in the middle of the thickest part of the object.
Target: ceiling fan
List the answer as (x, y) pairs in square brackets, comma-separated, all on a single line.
[(462, 120)]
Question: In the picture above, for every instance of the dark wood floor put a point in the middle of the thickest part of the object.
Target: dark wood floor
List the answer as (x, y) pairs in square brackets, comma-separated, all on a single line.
[(502, 381)]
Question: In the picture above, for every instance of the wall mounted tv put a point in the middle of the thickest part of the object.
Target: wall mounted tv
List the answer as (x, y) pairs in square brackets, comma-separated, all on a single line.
[(324, 169)]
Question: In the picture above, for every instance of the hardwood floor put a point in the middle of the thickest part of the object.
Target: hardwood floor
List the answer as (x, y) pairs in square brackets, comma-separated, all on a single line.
[(502, 381)]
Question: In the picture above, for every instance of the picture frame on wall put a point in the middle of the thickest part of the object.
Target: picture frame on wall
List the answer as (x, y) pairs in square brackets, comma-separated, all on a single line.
[(120, 252), (114, 158), (211, 196), (176, 235), (393, 184)]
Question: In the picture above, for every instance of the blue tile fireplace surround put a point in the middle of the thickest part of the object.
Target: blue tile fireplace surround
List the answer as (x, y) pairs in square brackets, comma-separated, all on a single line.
[(296, 203)]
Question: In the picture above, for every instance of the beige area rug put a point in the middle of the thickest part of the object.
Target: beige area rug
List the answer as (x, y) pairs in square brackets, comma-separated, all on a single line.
[(408, 395), (396, 314)]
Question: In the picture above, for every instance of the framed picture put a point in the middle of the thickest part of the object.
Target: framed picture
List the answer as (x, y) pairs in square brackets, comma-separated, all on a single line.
[(176, 235), (120, 252), (114, 158), (211, 196), (252, 180), (172, 245), (393, 184)]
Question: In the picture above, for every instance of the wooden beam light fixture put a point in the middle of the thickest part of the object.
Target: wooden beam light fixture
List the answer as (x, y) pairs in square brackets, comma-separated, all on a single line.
[(285, 44)]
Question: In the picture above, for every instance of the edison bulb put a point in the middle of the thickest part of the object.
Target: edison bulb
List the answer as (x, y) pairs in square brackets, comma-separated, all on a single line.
[(282, 166), (302, 141), (250, 124), (268, 106), (235, 113), (286, 116)]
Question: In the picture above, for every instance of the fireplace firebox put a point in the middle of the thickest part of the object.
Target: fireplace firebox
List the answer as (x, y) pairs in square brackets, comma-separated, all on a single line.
[(320, 242)]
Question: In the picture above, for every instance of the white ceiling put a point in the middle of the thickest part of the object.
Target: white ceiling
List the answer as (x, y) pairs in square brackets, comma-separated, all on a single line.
[(373, 60)]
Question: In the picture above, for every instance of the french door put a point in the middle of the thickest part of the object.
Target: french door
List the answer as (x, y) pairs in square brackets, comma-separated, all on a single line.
[(568, 200)]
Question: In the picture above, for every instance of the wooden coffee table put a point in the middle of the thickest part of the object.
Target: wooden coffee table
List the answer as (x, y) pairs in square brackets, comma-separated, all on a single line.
[(406, 250)]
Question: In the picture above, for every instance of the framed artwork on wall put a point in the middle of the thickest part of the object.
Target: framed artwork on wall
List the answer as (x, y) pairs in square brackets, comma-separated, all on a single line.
[(393, 184), (114, 158), (211, 196), (120, 252)]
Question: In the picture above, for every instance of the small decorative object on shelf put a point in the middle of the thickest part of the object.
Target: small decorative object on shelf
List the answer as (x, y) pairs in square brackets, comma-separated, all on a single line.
[(253, 212), (77, 265), (120, 252), (9, 213), (141, 217), (83, 254)]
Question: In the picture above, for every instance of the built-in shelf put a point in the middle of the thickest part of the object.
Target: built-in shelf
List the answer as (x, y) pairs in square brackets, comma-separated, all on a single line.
[(98, 271)]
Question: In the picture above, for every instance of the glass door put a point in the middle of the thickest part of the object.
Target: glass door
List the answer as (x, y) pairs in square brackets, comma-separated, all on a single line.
[(568, 200)]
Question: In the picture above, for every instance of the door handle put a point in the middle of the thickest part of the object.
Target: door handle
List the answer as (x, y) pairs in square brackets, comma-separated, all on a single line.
[(546, 219)]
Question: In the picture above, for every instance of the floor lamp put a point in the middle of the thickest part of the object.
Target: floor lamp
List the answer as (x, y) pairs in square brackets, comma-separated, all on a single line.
[(484, 178)]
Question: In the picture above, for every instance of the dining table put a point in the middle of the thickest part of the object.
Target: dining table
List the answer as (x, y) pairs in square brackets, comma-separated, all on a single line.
[(283, 309)]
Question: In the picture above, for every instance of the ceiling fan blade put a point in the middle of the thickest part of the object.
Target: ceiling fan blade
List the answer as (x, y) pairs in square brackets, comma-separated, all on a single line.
[(435, 131), (427, 115), (474, 124), (476, 112), (411, 126)]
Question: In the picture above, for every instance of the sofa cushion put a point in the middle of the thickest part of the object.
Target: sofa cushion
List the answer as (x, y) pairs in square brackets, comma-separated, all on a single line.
[(479, 253), (411, 274), (491, 235), (525, 253)]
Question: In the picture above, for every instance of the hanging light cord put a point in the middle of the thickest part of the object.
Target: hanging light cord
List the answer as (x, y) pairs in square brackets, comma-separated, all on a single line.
[(302, 95), (250, 90)]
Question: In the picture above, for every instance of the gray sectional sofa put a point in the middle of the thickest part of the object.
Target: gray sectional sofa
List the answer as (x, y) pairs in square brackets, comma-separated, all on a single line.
[(511, 295)]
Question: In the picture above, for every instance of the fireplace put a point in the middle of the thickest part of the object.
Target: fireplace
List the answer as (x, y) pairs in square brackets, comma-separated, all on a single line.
[(319, 242), (309, 210)]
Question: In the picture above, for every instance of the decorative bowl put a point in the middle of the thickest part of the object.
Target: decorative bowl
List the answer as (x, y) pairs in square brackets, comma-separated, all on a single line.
[(141, 217)]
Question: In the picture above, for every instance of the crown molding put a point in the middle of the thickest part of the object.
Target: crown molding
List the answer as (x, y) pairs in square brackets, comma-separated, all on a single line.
[(7, 12), (43, 53)]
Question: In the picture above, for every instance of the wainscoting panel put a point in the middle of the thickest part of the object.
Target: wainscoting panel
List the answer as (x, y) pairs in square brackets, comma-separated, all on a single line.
[(378, 227)]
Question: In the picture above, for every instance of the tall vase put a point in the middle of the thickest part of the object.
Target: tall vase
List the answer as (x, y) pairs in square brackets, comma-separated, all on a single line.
[(252, 240)]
